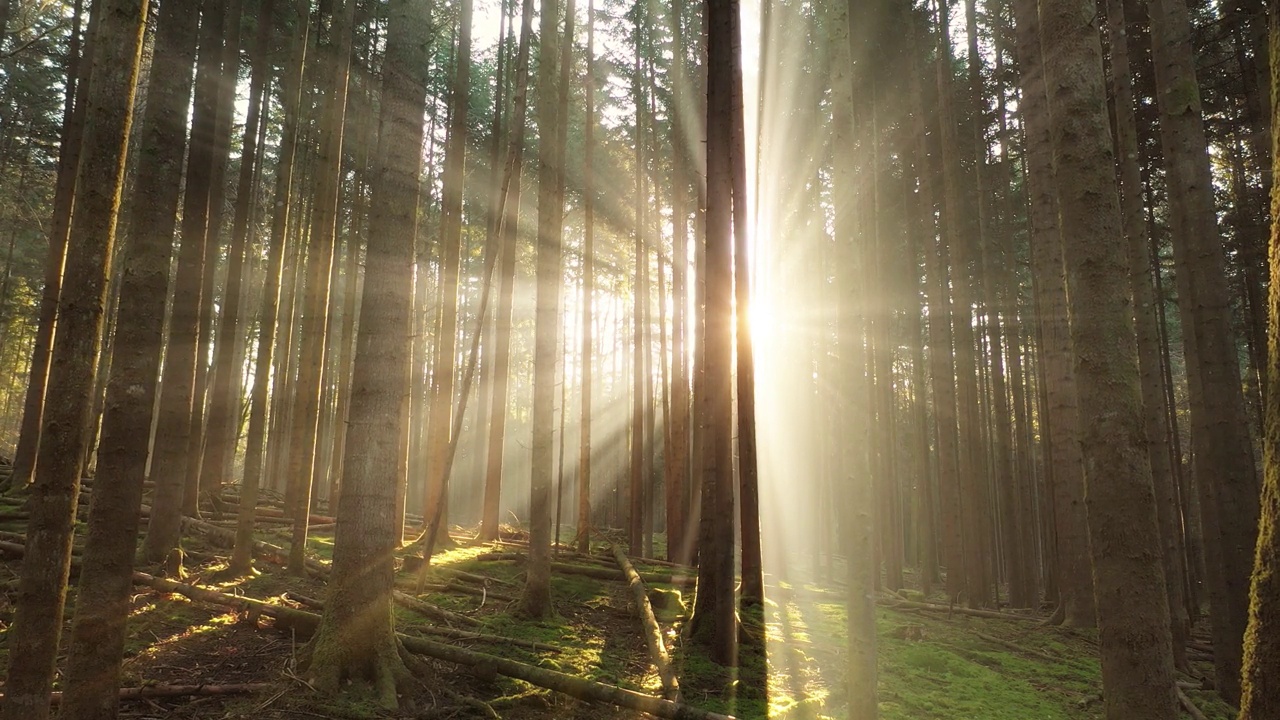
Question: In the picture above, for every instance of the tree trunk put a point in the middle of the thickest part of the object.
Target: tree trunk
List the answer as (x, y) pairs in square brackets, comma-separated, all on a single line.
[(314, 337), (537, 592), (444, 368), (226, 393), (174, 427), (1224, 452), (1124, 540), (583, 539), (242, 555), (33, 641), (356, 639), (102, 600), (1148, 334), (508, 221), (69, 148), (1260, 675), (1075, 584)]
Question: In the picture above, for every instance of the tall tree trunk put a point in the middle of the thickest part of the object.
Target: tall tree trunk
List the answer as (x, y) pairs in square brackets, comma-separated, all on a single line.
[(291, 97), (508, 236), (955, 223), (1224, 462), (718, 629), (33, 640), (70, 143), (314, 340), (1075, 584), (748, 472), (102, 601), (583, 540), (224, 402), (536, 601), (1124, 539), (444, 370), (1148, 335), (356, 637), (177, 390), (1260, 675)]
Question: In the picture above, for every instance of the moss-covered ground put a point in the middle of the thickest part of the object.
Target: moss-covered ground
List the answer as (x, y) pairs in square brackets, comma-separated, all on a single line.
[(931, 665)]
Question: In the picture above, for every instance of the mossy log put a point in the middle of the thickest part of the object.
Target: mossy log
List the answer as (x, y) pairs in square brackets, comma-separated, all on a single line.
[(450, 632), (542, 677), (954, 609), (652, 633), (599, 573)]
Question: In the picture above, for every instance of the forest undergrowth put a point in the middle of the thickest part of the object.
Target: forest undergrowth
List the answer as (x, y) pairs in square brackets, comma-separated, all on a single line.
[(932, 665)]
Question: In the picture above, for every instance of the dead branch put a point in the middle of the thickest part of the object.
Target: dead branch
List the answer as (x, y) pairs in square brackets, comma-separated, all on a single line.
[(652, 633)]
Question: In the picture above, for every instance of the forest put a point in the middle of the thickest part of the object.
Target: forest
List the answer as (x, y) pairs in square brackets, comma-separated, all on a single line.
[(857, 359)]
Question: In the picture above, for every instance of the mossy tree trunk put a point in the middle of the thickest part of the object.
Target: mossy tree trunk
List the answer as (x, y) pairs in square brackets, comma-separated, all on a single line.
[(356, 638), (102, 600), (33, 640), (1260, 676)]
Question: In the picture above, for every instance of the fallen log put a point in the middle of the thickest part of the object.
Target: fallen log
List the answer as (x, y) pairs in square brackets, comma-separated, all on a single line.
[(652, 633), (600, 573), (450, 632), (172, 691), (569, 552), (274, 513), (1009, 645), (542, 677), (1189, 706), (949, 609), (278, 556)]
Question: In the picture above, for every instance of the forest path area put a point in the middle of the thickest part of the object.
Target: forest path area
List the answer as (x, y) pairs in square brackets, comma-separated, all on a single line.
[(931, 665)]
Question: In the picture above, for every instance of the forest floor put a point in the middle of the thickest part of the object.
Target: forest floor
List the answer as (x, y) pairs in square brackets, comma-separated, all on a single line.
[(932, 665)]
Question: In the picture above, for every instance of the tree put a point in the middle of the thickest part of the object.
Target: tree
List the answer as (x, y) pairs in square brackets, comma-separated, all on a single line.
[(583, 539), (102, 601), (356, 638), (1074, 583), (508, 231), (242, 555), (33, 641), (226, 393), (537, 590), (1145, 319), (177, 391), (1260, 675), (715, 617), (442, 374), (1225, 470), (314, 337), (1124, 541)]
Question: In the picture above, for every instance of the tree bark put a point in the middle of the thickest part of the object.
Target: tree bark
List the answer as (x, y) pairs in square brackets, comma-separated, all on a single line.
[(1124, 539), (356, 637), (537, 593), (1260, 676), (102, 601), (33, 641)]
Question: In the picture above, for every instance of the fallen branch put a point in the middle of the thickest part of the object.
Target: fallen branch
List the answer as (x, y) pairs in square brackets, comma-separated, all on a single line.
[(949, 609), (277, 555), (450, 632), (1015, 647), (172, 691), (1189, 706), (598, 573), (577, 687), (569, 552), (652, 633)]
